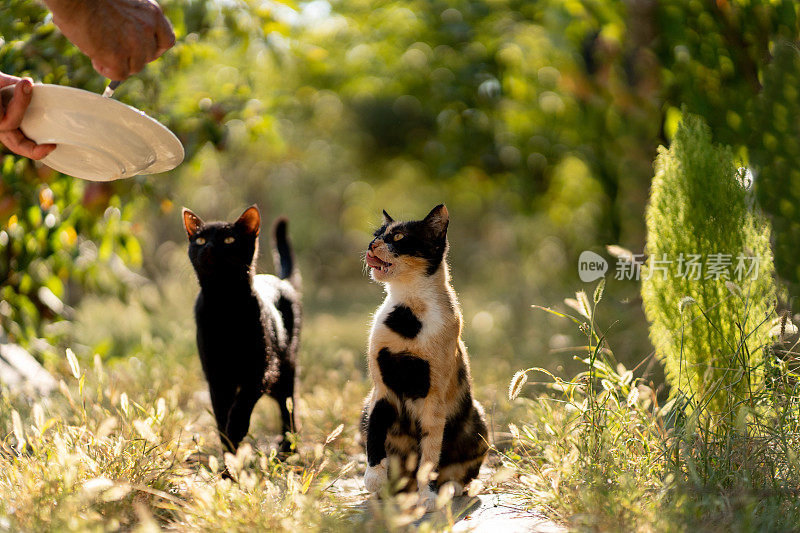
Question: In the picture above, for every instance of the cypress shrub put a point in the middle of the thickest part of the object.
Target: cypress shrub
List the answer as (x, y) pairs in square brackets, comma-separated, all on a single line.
[(708, 326)]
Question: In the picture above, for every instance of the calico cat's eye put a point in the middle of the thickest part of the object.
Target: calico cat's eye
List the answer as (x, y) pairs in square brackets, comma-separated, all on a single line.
[(201, 241), (398, 236), (229, 240)]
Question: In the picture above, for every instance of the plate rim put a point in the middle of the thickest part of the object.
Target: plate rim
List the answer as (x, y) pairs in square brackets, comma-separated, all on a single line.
[(90, 97)]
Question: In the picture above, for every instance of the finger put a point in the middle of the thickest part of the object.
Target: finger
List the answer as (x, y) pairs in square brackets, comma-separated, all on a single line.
[(165, 36), (42, 150), (112, 69), (17, 106), (137, 60), (16, 141), (7, 79), (145, 52)]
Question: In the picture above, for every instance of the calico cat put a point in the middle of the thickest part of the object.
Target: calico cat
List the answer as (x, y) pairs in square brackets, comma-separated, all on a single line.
[(420, 410), (248, 325)]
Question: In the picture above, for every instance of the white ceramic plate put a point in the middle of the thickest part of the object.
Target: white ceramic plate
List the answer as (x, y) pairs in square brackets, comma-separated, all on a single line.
[(99, 139)]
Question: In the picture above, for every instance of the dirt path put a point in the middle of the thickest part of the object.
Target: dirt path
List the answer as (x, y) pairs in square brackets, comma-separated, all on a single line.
[(484, 513), (501, 513)]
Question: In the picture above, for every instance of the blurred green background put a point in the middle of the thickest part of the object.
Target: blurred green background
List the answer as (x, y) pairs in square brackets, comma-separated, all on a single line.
[(535, 122)]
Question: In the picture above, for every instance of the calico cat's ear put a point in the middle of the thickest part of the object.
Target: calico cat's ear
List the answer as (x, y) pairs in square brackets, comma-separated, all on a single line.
[(250, 221), (386, 218), (191, 222), (438, 219)]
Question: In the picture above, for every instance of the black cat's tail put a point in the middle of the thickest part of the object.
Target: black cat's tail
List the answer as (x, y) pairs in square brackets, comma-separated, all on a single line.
[(282, 254)]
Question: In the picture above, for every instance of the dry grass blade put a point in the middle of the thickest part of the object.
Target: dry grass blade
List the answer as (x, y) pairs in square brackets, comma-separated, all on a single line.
[(333, 434), (517, 382), (19, 433), (74, 367)]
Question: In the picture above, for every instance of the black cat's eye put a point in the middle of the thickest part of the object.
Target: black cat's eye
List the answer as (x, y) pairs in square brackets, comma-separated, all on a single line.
[(229, 240), (200, 240), (398, 236)]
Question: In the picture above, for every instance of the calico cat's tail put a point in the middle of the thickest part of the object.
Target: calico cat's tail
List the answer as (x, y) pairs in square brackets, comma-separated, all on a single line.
[(282, 254)]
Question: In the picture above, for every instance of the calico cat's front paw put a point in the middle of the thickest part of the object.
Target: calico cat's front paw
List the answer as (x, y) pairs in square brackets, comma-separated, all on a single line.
[(376, 476), (427, 498), (454, 488)]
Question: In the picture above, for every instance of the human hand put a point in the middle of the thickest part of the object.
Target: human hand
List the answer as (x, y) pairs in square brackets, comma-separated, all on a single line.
[(11, 113), (119, 36)]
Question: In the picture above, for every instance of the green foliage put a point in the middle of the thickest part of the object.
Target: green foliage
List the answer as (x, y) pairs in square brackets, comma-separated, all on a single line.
[(775, 151), (602, 453), (539, 116), (709, 328), (58, 236), (736, 64)]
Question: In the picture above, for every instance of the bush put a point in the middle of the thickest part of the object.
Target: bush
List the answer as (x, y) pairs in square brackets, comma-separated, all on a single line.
[(600, 452), (708, 325)]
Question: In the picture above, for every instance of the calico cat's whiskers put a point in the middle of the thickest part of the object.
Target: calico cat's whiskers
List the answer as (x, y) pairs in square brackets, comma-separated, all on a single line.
[(365, 268)]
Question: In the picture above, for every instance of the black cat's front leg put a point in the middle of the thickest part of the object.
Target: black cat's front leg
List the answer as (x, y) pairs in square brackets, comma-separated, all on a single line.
[(239, 414), (381, 418), (222, 397)]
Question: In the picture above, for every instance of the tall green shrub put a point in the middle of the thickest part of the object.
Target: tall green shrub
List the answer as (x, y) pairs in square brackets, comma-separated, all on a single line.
[(708, 331)]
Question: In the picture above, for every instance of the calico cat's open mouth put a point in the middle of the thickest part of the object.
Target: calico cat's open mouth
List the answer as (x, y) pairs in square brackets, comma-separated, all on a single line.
[(373, 261)]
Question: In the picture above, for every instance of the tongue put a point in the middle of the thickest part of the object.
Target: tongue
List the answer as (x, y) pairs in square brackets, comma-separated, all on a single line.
[(374, 262)]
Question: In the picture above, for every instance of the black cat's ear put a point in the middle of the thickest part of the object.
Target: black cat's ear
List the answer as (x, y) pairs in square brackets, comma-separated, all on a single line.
[(250, 221), (191, 222), (437, 220), (386, 218)]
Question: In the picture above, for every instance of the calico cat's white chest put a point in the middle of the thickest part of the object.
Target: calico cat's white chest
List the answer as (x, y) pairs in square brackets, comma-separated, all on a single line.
[(408, 321)]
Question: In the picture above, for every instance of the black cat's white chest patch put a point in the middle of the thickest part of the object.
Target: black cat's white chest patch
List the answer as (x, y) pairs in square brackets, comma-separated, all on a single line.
[(403, 321)]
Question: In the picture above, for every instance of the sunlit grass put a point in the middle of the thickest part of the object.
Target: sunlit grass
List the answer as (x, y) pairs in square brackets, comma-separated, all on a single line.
[(103, 455), (129, 443), (128, 440), (600, 452)]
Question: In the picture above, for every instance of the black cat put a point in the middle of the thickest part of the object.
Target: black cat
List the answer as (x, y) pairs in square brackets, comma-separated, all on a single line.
[(248, 325)]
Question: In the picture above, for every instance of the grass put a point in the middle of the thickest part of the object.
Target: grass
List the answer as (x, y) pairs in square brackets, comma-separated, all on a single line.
[(601, 453), (128, 442), (134, 446)]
